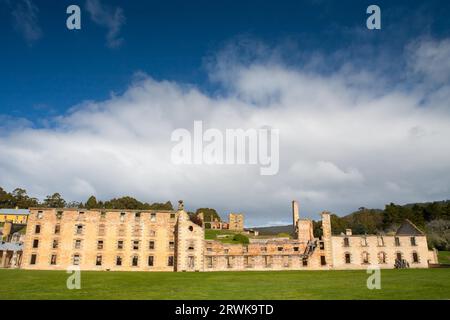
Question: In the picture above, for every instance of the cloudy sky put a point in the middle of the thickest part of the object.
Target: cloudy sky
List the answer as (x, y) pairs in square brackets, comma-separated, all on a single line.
[(363, 116)]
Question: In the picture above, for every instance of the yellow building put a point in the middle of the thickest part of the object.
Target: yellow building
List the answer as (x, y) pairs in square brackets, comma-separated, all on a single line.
[(16, 216)]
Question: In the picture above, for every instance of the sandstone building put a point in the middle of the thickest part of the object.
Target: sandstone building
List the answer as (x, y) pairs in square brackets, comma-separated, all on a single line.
[(147, 240)]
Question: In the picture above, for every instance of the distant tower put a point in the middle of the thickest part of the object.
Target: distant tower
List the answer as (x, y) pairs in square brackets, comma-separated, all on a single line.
[(295, 216), (326, 237)]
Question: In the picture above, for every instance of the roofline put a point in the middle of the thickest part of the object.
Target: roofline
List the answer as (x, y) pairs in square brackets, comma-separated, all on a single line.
[(101, 209)]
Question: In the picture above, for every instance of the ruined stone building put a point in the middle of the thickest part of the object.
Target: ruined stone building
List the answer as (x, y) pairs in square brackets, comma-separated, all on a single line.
[(148, 240)]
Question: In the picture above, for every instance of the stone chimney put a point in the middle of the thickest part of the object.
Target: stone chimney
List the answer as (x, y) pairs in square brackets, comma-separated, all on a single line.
[(295, 214)]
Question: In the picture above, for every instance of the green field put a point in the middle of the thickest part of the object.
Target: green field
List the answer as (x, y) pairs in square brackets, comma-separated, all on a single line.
[(444, 257), (395, 284)]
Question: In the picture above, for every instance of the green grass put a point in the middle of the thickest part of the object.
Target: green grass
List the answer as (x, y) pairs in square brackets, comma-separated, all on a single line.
[(444, 257), (211, 234), (396, 284)]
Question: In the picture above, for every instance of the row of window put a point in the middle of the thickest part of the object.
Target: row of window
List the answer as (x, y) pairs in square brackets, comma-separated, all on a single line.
[(135, 245), (249, 262), (123, 215), (79, 230), (76, 260), (261, 249), (381, 256), (380, 242)]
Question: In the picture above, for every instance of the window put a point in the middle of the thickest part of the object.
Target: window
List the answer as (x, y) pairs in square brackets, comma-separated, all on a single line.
[(81, 215), (191, 262), (286, 261), (399, 256), (120, 244), (98, 261), (267, 261), (35, 243), (153, 217), (118, 261), (135, 245), (150, 261), (58, 229), (364, 242), (191, 246), (53, 259), (226, 251), (323, 261), (171, 245), (209, 261), (229, 262), (397, 241), (40, 214), (152, 233), (100, 245), (247, 262), (322, 245), (101, 230), (37, 229), (33, 259), (121, 231), (170, 261), (122, 216), (77, 244), (172, 216), (346, 242), (365, 257), (381, 257), (263, 249), (135, 261), (245, 249), (79, 229), (76, 260), (59, 215), (55, 244), (347, 258), (280, 249), (413, 241), (295, 249), (415, 257), (137, 216), (305, 262), (209, 249), (191, 228), (103, 215), (380, 241), (151, 245)]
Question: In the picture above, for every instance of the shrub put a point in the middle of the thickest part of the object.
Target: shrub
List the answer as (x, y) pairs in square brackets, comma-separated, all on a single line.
[(241, 239)]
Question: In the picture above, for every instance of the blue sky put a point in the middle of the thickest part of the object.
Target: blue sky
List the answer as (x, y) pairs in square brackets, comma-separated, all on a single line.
[(172, 39), (363, 115)]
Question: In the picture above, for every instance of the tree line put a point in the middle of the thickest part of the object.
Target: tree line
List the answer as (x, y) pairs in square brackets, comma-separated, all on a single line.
[(20, 199)]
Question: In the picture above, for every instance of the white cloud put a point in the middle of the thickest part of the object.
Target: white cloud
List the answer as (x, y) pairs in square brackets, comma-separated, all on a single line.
[(111, 18), (341, 146), (25, 17)]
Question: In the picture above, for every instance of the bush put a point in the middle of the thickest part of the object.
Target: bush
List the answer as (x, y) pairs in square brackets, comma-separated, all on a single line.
[(241, 239)]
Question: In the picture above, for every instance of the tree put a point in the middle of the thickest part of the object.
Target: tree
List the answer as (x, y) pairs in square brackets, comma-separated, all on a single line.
[(91, 203), (208, 214), (241, 238), (55, 201)]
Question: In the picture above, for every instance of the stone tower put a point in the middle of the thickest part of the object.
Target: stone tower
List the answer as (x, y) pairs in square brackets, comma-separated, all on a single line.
[(189, 243), (295, 216), (326, 237)]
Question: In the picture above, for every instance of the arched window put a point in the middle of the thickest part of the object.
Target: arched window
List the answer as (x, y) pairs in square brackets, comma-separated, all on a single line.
[(415, 257), (348, 258), (365, 257), (381, 257)]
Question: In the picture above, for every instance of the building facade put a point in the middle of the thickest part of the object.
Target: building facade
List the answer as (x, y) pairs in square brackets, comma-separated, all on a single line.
[(127, 240)]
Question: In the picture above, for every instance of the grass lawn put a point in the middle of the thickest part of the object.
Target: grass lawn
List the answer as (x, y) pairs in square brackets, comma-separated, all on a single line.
[(395, 284), (444, 257)]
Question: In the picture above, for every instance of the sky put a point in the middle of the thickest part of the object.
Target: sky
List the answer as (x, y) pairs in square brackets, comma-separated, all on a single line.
[(363, 115)]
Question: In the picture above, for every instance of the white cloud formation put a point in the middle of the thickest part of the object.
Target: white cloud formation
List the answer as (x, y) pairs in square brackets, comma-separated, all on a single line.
[(25, 17), (342, 146), (111, 18)]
